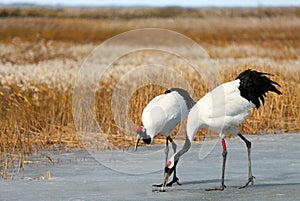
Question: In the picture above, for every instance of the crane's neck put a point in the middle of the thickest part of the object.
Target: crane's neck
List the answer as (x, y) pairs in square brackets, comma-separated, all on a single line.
[(185, 148), (191, 132)]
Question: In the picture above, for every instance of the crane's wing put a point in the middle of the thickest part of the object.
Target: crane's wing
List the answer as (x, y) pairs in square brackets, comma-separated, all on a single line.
[(164, 112), (223, 107)]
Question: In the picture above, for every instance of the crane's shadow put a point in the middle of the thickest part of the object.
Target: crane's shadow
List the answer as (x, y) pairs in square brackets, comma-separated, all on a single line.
[(276, 185), (257, 185), (200, 181)]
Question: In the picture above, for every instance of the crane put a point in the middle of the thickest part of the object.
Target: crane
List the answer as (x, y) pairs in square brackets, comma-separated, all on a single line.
[(222, 110), (161, 115)]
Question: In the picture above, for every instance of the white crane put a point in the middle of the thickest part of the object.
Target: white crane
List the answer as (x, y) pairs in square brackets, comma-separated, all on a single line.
[(222, 110), (161, 115)]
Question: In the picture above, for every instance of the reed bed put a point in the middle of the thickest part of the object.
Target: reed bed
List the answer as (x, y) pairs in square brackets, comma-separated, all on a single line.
[(36, 116), (38, 69)]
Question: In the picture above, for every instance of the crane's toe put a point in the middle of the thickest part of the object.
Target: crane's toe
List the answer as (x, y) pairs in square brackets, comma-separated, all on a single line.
[(170, 184), (175, 180), (157, 185), (250, 181)]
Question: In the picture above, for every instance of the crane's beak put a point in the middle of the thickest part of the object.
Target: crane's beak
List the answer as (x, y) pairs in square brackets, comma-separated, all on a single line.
[(138, 138)]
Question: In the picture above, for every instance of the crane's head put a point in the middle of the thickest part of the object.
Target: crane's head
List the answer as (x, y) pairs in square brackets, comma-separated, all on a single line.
[(142, 134)]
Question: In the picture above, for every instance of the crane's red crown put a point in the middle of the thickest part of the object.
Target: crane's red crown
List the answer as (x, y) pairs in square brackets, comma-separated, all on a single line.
[(140, 129)]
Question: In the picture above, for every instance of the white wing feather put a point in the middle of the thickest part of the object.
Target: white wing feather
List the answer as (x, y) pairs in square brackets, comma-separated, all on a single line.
[(163, 113), (222, 108)]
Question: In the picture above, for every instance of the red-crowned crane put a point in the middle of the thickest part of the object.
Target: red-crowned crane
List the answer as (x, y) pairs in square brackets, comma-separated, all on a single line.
[(161, 115), (222, 110)]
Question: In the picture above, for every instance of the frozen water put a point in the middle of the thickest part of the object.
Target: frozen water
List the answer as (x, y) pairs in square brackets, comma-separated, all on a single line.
[(78, 176)]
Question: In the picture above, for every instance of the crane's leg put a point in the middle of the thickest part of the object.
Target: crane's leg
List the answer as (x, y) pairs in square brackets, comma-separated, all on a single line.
[(167, 149), (174, 145), (224, 154), (250, 176), (175, 178), (166, 154)]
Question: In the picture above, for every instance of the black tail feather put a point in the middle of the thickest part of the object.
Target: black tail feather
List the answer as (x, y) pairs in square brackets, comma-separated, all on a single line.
[(188, 99), (254, 85)]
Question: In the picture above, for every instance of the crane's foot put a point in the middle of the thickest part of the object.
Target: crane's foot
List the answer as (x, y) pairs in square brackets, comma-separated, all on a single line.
[(175, 180), (250, 181), (157, 185), (221, 188)]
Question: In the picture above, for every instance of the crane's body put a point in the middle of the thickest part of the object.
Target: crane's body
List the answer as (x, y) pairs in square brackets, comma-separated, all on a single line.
[(220, 110), (163, 113)]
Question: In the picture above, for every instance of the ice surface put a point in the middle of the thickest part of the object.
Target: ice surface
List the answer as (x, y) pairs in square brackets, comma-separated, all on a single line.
[(78, 176)]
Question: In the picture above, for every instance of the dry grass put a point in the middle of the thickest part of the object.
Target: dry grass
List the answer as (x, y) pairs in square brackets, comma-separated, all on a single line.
[(40, 56), (33, 117), (132, 13)]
